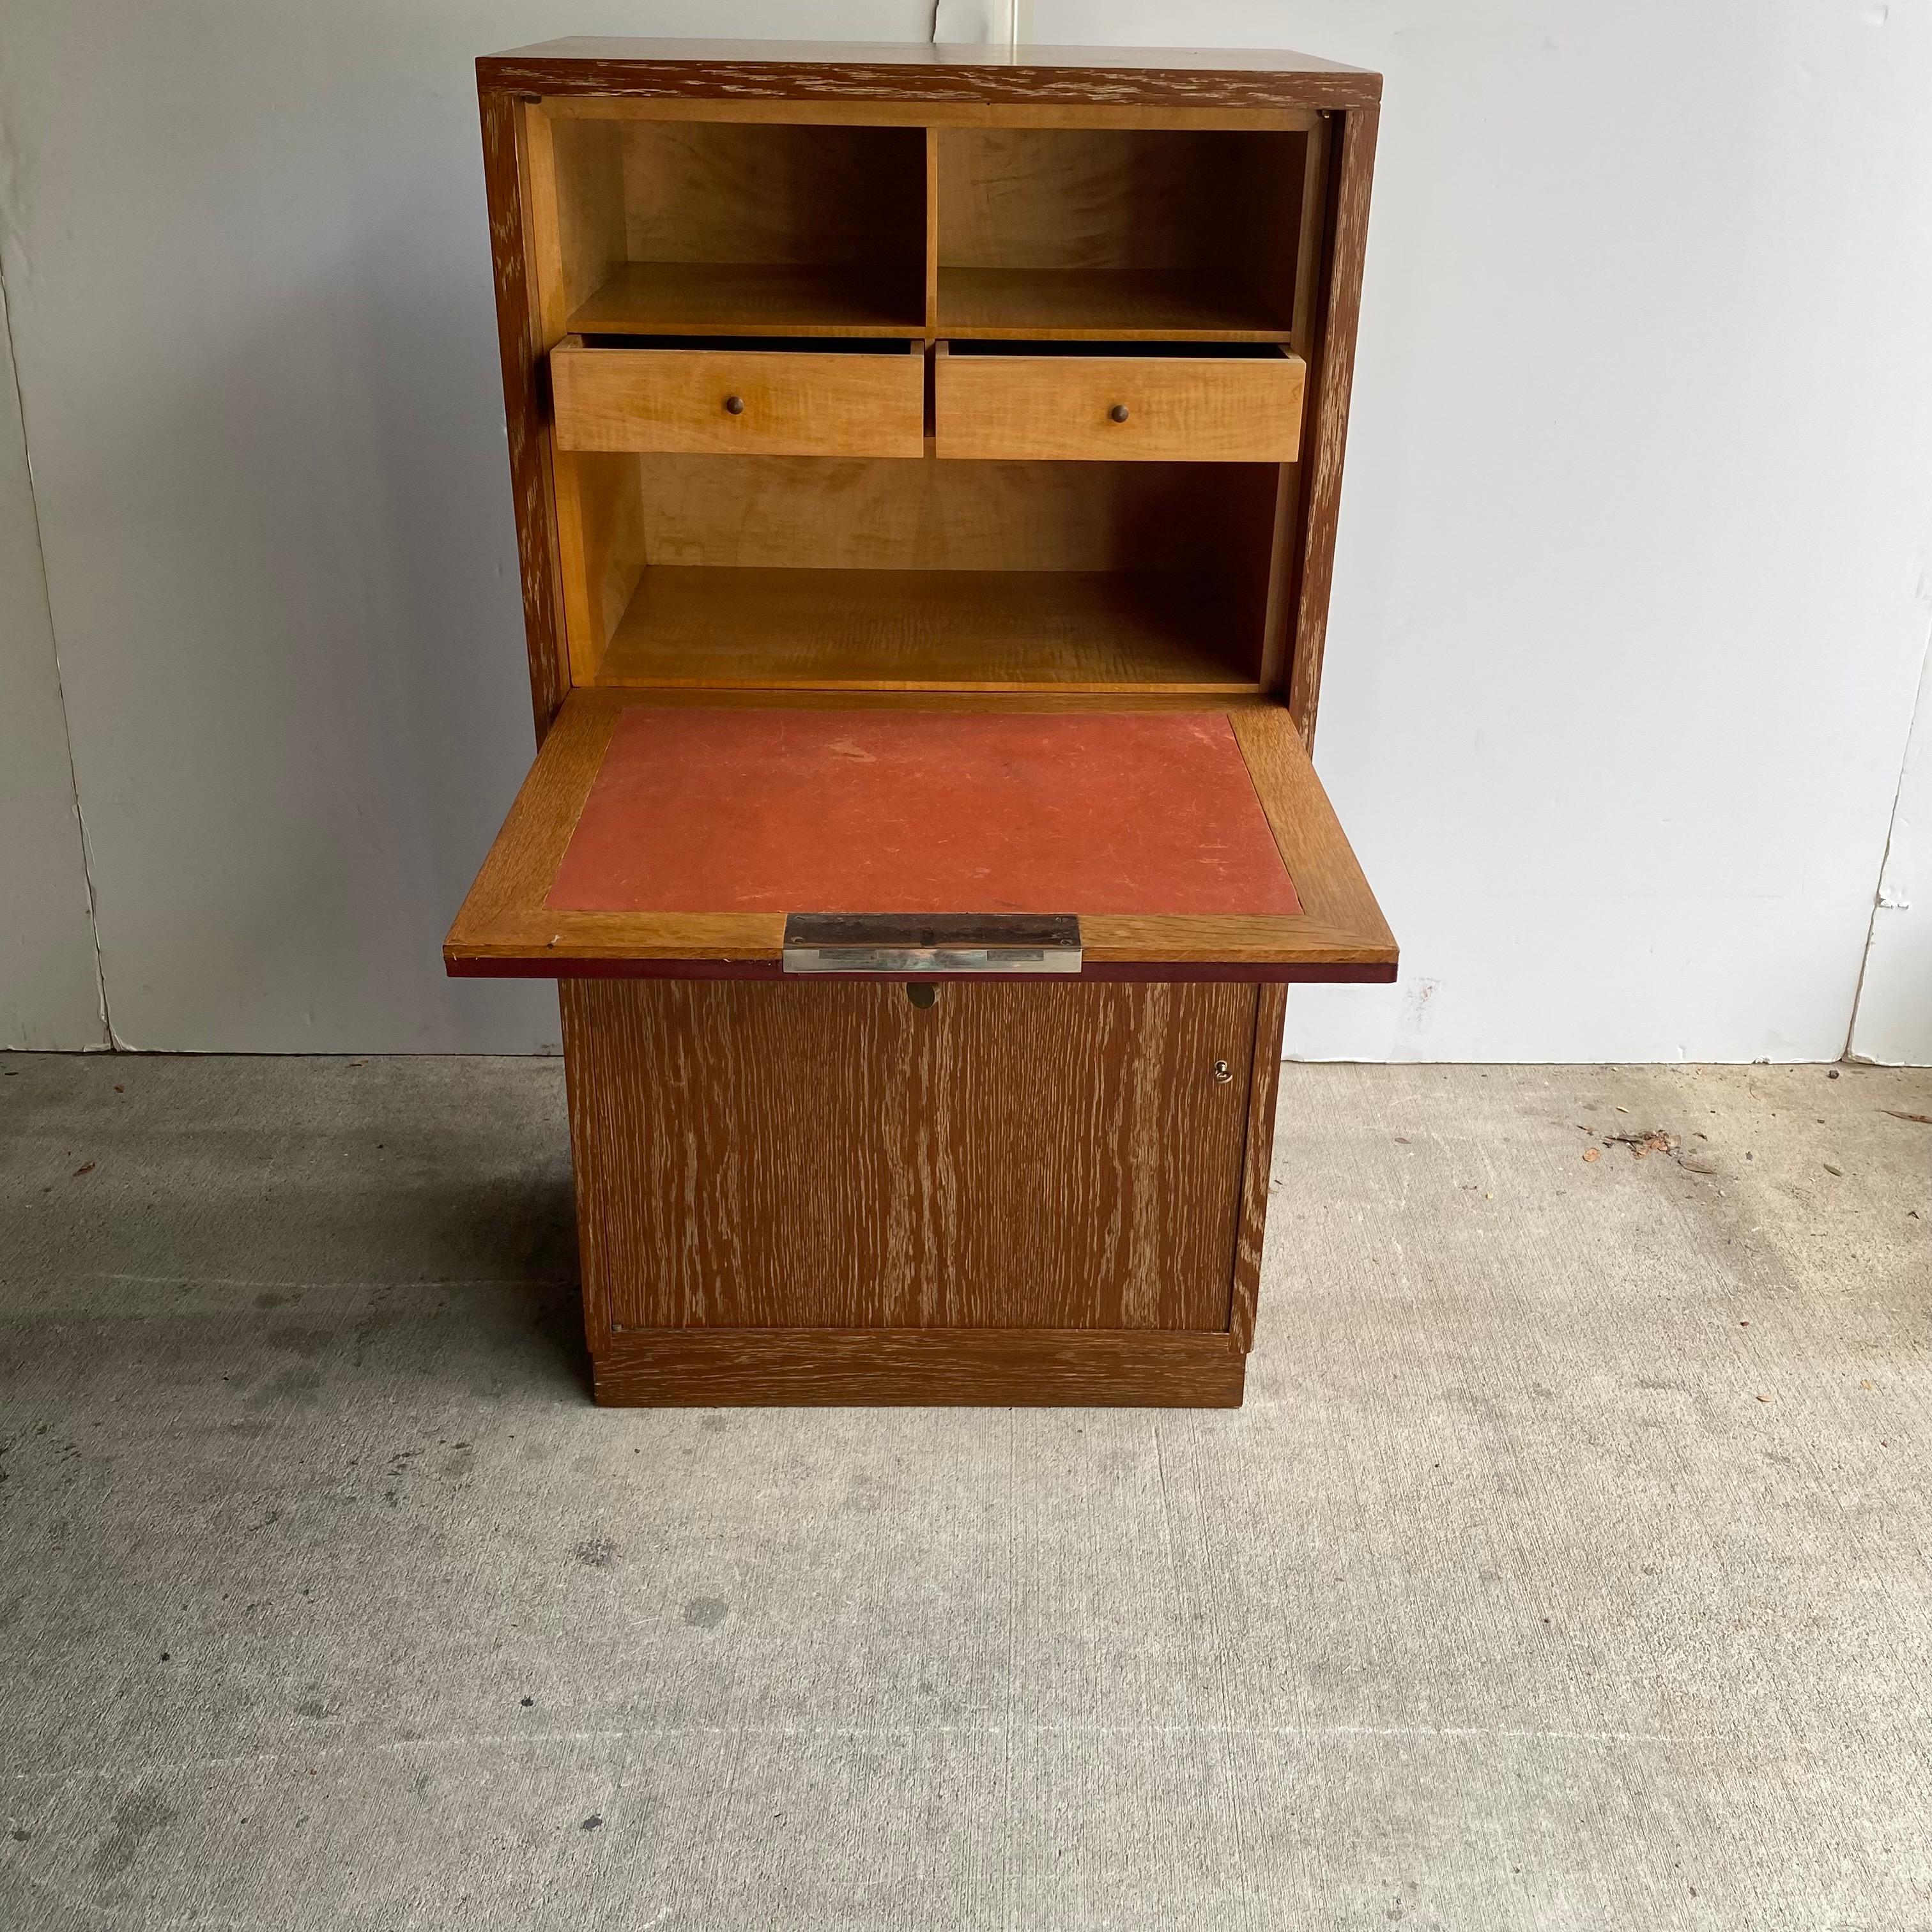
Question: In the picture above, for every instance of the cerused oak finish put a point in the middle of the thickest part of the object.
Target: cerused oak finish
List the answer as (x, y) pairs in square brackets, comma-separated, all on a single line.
[(1011, 1156), (1006, 1367), (952, 381)]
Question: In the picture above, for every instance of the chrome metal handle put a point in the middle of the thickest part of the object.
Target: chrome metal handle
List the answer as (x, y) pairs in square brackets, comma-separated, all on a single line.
[(1223, 1072)]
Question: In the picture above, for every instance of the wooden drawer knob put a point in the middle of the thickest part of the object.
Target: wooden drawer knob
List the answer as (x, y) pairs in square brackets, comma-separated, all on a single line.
[(734, 406), (1118, 413)]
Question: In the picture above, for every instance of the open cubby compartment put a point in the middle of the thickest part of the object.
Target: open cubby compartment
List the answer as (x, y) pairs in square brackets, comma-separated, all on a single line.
[(665, 227), (1206, 234), (753, 572)]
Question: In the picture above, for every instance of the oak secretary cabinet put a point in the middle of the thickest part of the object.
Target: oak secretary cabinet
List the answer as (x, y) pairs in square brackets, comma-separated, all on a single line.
[(926, 464)]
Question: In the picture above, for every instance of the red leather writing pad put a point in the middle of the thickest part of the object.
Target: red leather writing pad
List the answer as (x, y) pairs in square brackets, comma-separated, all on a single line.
[(785, 811)]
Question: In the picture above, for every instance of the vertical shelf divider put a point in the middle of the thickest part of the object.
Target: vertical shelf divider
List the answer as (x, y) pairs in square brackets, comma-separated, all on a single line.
[(931, 233)]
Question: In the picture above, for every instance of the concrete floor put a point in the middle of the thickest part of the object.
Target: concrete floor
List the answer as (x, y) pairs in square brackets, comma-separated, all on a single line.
[(1567, 1568)]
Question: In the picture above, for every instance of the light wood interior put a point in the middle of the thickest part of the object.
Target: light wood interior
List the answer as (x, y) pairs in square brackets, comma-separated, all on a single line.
[(883, 630), (785, 397), (1132, 231), (816, 572), (839, 564), (704, 227), (714, 227), (1106, 403)]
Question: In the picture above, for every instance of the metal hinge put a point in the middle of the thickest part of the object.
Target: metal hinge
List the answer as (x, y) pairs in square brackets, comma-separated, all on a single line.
[(839, 942)]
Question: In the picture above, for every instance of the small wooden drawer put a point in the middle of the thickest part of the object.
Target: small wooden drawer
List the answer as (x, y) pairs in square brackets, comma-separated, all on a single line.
[(1110, 404), (733, 401)]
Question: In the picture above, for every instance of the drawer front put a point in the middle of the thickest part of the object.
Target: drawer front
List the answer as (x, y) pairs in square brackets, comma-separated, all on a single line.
[(1116, 409), (704, 402)]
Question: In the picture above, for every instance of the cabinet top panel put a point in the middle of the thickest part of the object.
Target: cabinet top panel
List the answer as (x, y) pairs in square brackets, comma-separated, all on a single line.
[(862, 71)]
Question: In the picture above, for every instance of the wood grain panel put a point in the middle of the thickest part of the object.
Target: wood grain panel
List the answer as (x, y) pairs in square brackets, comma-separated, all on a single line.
[(742, 71), (1103, 304), (1117, 408), (1312, 845), (870, 630), (1328, 423), (520, 347), (586, 1145), (726, 192), (750, 298), (1098, 199), (818, 513), (677, 400), (601, 544), (1258, 1159), (1308, 226), (1007, 1368), (929, 274), (1136, 234), (577, 194), (835, 112), (1018, 1156), (1306, 946), (1271, 202)]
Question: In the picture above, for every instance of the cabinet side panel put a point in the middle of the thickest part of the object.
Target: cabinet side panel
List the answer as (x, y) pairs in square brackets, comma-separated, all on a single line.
[(1257, 1161), (828, 1155), (530, 481), (1266, 214), (1327, 430), (579, 1001), (587, 181)]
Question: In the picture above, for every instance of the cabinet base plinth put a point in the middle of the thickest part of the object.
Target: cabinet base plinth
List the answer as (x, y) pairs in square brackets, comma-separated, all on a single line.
[(998, 1368)]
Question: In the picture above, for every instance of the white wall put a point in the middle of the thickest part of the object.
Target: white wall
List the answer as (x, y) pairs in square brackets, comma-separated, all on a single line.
[(249, 267), (50, 990), (1632, 587), (1894, 1025), (1630, 605)]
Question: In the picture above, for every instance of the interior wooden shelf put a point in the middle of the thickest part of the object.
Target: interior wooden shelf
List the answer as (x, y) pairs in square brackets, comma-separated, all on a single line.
[(940, 630), (1097, 304), (752, 299)]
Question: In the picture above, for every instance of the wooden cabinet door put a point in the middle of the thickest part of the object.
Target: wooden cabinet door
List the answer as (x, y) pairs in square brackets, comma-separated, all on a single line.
[(821, 1155)]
